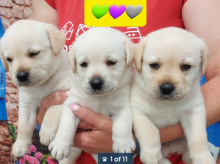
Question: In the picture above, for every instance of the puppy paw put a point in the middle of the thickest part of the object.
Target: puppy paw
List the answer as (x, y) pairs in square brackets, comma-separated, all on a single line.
[(165, 161), (20, 148), (46, 135), (66, 161), (152, 156), (205, 158), (122, 145), (59, 149), (75, 153)]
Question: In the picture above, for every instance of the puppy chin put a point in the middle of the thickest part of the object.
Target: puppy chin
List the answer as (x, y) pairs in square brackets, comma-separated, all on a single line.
[(170, 97), (101, 92), (26, 84)]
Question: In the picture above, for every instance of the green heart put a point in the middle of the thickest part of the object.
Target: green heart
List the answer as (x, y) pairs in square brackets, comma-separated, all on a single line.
[(98, 11)]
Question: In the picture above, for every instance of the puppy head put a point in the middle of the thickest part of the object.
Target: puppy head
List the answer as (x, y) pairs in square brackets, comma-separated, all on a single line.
[(29, 51), (100, 58), (168, 60)]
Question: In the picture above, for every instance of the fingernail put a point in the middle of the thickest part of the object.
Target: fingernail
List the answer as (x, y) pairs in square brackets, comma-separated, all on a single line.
[(74, 107), (67, 93)]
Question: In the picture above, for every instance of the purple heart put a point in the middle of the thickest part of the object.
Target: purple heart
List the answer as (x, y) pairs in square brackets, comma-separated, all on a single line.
[(117, 11)]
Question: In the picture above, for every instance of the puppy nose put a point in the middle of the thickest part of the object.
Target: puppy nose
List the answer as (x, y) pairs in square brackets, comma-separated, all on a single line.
[(96, 83), (167, 88), (22, 76)]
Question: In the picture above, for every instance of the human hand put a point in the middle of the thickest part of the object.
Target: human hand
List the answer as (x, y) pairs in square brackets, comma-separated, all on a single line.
[(98, 135), (53, 99), (218, 160)]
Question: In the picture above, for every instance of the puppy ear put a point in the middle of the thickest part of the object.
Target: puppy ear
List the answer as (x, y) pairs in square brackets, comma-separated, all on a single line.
[(4, 62), (72, 60), (129, 51), (56, 37), (204, 56), (138, 53)]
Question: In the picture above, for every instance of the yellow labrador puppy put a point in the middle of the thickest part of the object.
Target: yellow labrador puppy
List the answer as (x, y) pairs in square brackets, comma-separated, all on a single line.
[(166, 91), (101, 61), (32, 52)]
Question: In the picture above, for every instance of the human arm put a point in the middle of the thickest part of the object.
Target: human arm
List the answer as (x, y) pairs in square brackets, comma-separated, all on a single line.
[(203, 19), (44, 12)]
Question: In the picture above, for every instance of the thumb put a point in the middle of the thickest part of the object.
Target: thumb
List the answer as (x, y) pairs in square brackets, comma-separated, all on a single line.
[(98, 120)]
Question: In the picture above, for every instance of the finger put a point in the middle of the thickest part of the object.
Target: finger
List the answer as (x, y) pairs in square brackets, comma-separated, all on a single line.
[(53, 99), (79, 142), (85, 125), (81, 139), (96, 119), (40, 116), (218, 160), (91, 143)]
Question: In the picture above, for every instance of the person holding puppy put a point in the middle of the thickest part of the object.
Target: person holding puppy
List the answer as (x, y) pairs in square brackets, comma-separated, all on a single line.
[(200, 18)]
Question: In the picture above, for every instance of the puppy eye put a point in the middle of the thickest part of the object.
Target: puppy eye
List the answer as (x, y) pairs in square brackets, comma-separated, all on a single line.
[(33, 54), (9, 59), (84, 64), (154, 66), (185, 67), (111, 63)]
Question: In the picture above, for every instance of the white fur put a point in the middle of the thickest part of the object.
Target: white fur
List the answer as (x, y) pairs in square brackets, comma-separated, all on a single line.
[(49, 72), (96, 47), (170, 47)]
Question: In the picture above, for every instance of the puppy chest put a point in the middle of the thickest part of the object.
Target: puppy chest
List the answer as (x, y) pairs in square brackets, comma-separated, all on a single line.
[(108, 110), (95, 105), (164, 119)]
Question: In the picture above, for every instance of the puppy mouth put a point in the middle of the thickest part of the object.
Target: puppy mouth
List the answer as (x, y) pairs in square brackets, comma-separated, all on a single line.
[(28, 83), (171, 97), (97, 92), (166, 97), (22, 83), (167, 92), (100, 92)]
